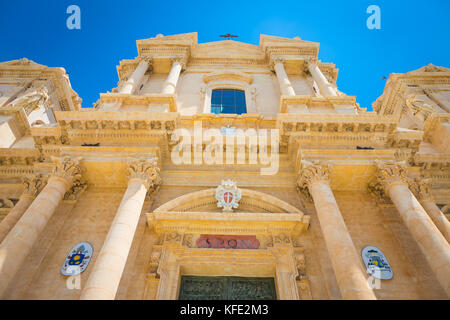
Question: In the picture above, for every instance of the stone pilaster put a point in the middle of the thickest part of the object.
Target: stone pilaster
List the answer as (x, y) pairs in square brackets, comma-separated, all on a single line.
[(19, 241), (421, 189), (350, 275), (392, 176), (104, 280), (32, 186)]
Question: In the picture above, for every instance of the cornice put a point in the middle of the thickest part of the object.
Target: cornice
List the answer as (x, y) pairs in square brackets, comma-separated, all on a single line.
[(143, 100)]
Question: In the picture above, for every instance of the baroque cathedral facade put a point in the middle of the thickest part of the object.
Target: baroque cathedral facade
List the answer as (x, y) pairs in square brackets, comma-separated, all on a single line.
[(134, 199)]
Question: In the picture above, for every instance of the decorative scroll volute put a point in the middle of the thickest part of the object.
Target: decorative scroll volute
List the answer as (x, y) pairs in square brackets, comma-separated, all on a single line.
[(67, 168), (146, 170), (421, 188), (34, 184)]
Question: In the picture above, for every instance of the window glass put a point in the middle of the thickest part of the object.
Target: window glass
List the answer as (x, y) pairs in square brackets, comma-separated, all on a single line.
[(228, 101)]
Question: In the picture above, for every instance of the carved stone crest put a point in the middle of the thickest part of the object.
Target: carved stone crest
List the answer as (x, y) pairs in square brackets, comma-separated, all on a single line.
[(228, 195)]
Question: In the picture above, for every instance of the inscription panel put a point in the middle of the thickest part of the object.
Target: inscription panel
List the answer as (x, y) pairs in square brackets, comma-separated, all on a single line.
[(227, 288), (227, 242)]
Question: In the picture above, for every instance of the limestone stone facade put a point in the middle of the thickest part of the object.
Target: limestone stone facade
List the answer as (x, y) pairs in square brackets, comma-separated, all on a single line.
[(345, 178)]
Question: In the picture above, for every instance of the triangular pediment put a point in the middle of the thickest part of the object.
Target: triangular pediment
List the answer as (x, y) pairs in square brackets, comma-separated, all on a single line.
[(24, 62), (227, 48), (430, 68)]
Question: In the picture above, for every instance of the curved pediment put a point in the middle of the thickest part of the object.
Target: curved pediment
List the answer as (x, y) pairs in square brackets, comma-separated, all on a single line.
[(251, 201)]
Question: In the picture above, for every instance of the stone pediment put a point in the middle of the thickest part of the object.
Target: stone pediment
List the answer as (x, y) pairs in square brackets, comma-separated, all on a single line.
[(430, 68), (24, 62), (227, 49)]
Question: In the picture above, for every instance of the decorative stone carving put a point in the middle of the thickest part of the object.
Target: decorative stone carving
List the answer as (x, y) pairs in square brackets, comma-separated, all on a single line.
[(76, 189), (228, 195), (32, 99), (390, 173), (173, 237), (281, 239), (7, 203), (67, 168), (145, 169), (154, 260), (187, 240), (311, 172), (421, 188), (34, 184), (300, 264)]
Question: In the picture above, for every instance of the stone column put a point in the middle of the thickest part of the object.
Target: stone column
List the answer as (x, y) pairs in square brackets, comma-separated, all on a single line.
[(326, 89), (421, 189), (285, 85), (104, 280), (170, 84), (33, 185), (346, 261), (20, 240), (129, 87), (391, 176)]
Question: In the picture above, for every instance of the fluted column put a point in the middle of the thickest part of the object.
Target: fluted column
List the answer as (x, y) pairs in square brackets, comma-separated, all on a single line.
[(432, 243), (104, 280), (285, 85), (170, 84), (33, 185), (129, 87), (20, 240), (326, 89), (350, 275), (421, 189)]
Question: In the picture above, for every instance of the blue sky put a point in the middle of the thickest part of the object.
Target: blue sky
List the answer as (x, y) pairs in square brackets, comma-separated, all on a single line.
[(413, 33)]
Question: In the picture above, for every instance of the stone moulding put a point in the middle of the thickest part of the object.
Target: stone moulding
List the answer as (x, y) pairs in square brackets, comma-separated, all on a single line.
[(143, 100), (227, 223), (228, 75), (310, 101)]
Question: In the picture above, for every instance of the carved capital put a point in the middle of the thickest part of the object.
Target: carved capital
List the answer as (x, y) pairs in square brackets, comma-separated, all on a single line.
[(67, 168), (76, 189), (181, 60), (34, 184), (146, 170), (421, 188), (389, 174), (312, 172)]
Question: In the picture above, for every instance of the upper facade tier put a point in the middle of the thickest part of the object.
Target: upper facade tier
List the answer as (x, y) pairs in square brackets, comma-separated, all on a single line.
[(176, 73)]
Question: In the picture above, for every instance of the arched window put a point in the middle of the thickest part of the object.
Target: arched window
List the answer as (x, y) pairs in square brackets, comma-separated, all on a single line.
[(228, 101)]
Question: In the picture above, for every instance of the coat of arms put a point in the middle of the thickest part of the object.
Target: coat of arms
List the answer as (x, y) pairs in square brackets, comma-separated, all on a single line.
[(376, 263), (77, 260), (228, 195)]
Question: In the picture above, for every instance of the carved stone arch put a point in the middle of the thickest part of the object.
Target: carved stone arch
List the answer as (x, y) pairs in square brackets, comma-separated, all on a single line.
[(251, 201)]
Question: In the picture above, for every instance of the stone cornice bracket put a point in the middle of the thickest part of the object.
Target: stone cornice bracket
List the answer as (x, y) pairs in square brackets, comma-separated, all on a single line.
[(66, 168), (77, 188), (33, 184), (390, 173), (146, 170), (421, 188)]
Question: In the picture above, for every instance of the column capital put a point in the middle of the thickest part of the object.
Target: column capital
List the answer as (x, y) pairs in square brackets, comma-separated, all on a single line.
[(421, 188), (146, 170), (390, 173), (67, 169), (33, 184), (179, 59), (312, 172)]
